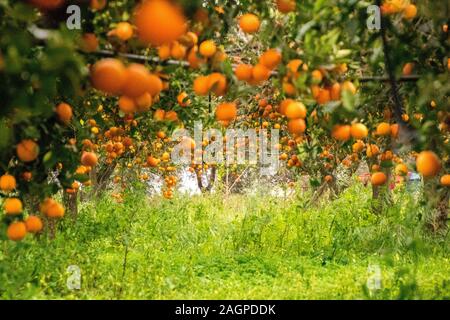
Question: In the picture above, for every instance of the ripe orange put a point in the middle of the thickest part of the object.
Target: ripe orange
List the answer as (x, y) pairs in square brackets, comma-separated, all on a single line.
[(378, 179), (359, 131), (109, 75), (161, 134), (137, 80), (394, 130), (335, 92), (293, 66), (323, 96), (289, 89), (123, 31), (284, 104), (171, 116), (408, 69), (328, 178), (159, 115), (270, 59), (55, 210), (89, 159), (296, 126), (317, 76), (7, 183), (33, 224), (152, 161), (154, 85), (64, 112), (127, 105), (372, 150), (89, 42), (295, 110), (178, 51), (144, 102), (164, 52), (383, 129), (98, 4), (201, 86), (16, 231), (445, 180), (217, 83), (249, 23), (286, 6), (208, 48), (358, 146), (260, 73), (183, 99), (428, 164), (410, 11), (27, 150), (341, 132), (401, 169), (159, 22), (226, 111), (243, 72), (12, 206)]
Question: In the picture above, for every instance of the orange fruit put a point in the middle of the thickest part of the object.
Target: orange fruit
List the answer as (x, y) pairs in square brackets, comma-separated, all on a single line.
[(109, 75), (317, 76), (324, 96), (289, 89), (7, 183), (394, 130), (154, 85), (410, 11), (193, 59), (296, 126), (16, 231), (89, 159), (137, 80), (27, 150), (89, 43), (243, 72), (183, 99), (284, 104), (359, 131), (292, 67), (164, 52), (348, 86), (171, 116), (217, 83), (159, 115), (249, 23), (13, 206), (445, 180), (178, 51), (144, 102), (208, 48), (152, 161), (372, 150), (328, 178), (201, 86), (123, 31), (226, 111), (401, 169), (270, 59), (64, 112), (335, 92), (98, 4), (341, 132), (378, 179), (383, 129), (159, 22), (286, 6), (428, 164), (127, 104), (33, 224), (295, 110), (55, 210), (260, 73), (358, 146), (408, 69)]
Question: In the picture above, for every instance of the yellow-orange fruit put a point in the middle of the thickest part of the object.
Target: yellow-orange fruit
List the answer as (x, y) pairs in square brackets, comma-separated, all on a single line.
[(358, 146), (178, 51), (144, 102), (159, 22), (137, 78), (383, 129), (98, 4), (408, 69), (152, 161), (201, 86), (372, 150), (378, 179), (16, 231), (324, 96), (55, 210), (296, 126), (33, 224), (89, 43), (64, 112), (193, 59), (154, 85), (260, 73), (335, 92), (295, 110), (348, 86), (243, 72), (428, 164), (108, 75), (249, 23), (394, 130), (284, 104), (171, 115), (217, 83), (226, 111), (270, 59), (286, 6), (123, 31), (359, 131), (341, 132), (127, 104), (183, 99), (317, 76), (207, 48), (164, 52), (401, 169), (27, 150), (445, 180), (7, 183), (89, 159), (410, 11), (159, 115), (12, 206)]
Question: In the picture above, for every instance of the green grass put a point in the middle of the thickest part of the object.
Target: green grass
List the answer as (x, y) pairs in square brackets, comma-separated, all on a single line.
[(241, 247)]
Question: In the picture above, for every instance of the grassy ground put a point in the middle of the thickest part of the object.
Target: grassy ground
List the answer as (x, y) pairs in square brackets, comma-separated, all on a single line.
[(253, 247)]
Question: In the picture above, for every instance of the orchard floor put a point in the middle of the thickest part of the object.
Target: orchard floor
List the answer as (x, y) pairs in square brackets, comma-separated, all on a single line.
[(240, 247)]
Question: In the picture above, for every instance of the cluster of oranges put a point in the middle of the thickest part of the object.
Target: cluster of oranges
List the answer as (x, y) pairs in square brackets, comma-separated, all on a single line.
[(404, 7), (260, 72), (170, 183)]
